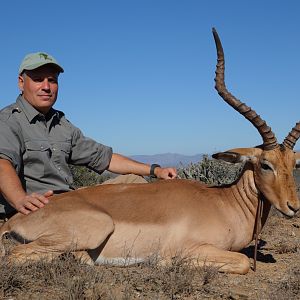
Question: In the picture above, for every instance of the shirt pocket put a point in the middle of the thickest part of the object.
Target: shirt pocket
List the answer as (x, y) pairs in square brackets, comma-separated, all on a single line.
[(36, 157), (61, 152)]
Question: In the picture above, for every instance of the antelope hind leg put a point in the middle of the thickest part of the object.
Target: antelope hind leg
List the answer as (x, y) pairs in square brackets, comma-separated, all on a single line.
[(72, 232), (34, 252)]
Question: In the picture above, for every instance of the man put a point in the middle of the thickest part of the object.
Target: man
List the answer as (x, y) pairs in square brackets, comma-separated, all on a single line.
[(37, 143)]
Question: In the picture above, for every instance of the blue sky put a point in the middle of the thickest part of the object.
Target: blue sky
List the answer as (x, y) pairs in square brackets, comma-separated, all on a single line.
[(139, 74)]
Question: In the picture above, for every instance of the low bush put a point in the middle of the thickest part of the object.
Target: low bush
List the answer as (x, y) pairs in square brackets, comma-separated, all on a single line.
[(211, 171)]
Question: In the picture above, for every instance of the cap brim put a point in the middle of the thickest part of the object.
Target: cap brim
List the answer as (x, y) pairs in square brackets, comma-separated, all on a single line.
[(35, 66)]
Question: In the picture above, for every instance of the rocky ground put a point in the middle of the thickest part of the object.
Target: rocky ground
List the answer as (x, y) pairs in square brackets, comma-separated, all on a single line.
[(278, 267)]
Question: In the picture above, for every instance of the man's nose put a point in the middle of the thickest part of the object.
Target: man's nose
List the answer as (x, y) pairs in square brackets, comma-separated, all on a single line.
[(46, 85)]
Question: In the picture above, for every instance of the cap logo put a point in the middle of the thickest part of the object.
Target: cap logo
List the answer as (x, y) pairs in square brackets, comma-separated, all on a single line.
[(45, 56)]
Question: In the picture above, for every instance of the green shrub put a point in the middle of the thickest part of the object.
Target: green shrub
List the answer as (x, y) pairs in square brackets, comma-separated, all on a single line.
[(211, 171), (85, 177)]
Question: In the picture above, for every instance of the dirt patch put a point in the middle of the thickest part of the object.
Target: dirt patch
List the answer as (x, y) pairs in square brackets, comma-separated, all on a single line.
[(278, 267)]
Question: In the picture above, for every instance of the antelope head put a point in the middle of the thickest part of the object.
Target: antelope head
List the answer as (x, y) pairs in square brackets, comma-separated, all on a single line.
[(272, 163)]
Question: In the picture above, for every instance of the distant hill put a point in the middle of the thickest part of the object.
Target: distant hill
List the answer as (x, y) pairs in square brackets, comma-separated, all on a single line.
[(168, 159)]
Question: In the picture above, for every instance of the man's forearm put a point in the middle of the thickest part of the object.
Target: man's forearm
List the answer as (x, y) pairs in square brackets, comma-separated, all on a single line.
[(12, 190), (123, 165), (10, 184)]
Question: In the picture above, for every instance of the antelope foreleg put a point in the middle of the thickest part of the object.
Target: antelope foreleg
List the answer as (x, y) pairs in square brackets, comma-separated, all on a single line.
[(225, 261)]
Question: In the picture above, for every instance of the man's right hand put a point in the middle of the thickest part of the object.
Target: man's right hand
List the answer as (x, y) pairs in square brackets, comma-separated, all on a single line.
[(32, 202)]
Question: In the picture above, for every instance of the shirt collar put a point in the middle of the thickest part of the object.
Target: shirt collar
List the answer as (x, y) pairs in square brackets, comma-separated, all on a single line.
[(31, 113)]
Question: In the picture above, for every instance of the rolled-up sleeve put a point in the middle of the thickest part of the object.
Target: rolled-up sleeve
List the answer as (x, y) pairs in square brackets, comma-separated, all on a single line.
[(10, 146), (86, 151)]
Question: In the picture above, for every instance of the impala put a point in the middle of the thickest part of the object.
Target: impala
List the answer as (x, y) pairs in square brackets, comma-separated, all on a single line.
[(127, 223)]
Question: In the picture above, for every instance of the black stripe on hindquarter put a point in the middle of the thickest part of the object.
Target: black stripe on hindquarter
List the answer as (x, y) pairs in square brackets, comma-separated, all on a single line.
[(16, 237)]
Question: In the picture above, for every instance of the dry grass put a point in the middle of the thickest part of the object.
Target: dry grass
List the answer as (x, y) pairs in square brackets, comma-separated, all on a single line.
[(68, 278)]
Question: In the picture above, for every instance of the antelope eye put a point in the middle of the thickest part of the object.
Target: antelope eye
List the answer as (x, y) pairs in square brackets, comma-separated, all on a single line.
[(266, 167)]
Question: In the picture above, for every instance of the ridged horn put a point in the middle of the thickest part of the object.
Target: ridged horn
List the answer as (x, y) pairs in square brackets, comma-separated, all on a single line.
[(292, 137), (269, 139)]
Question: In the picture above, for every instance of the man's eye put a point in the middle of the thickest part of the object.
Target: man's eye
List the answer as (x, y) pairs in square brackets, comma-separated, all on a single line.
[(37, 79), (41, 79)]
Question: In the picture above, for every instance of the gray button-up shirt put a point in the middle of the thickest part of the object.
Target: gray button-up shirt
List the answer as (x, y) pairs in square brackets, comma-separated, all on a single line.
[(41, 148)]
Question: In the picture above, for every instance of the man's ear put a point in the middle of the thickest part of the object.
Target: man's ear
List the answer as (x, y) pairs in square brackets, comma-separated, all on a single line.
[(297, 156), (239, 155), (21, 83)]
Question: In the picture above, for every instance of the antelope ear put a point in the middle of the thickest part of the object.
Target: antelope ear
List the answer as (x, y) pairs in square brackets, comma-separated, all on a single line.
[(297, 156), (239, 155)]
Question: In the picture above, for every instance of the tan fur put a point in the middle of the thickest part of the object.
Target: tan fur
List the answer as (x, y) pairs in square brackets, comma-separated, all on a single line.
[(297, 156), (135, 221)]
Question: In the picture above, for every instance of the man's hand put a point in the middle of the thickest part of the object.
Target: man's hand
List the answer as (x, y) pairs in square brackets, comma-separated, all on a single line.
[(32, 202), (165, 173), (13, 192)]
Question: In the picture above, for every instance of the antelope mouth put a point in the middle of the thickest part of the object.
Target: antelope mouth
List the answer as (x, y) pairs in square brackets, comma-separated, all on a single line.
[(288, 211)]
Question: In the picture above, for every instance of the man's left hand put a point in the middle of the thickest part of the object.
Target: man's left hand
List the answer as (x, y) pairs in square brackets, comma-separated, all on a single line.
[(165, 173)]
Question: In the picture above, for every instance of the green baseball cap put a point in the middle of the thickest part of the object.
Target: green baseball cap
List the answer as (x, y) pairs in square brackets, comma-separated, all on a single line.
[(35, 60)]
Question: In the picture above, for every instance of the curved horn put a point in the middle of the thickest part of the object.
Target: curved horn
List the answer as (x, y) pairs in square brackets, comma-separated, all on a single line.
[(269, 139), (292, 137)]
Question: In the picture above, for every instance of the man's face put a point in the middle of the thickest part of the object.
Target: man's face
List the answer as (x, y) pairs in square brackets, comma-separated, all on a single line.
[(40, 87)]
